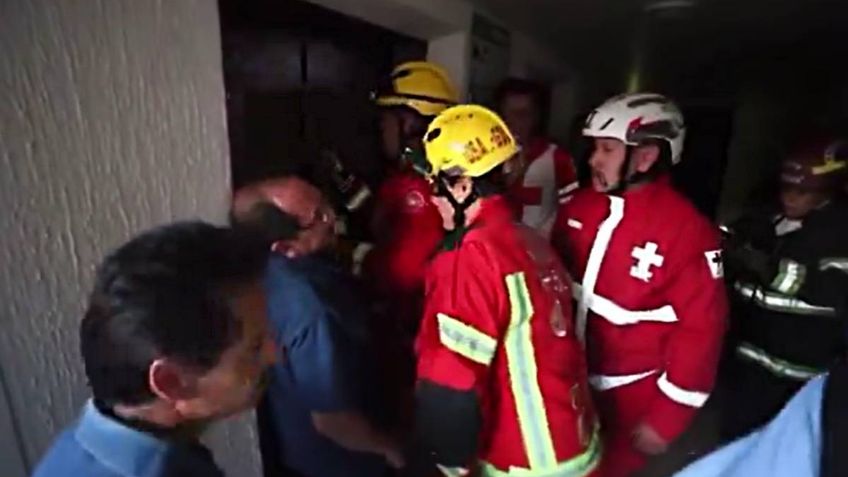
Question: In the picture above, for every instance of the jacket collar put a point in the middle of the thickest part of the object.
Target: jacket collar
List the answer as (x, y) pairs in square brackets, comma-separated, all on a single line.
[(493, 210), (648, 189), (132, 452)]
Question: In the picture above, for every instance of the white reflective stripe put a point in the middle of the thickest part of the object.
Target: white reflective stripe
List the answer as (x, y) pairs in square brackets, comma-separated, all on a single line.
[(466, 340), (358, 199), (452, 471), (596, 257), (790, 278), (680, 395), (574, 224), (840, 264), (782, 303), (568, 188), (603, 382), (620, 316), (776, 365), (358, 255)]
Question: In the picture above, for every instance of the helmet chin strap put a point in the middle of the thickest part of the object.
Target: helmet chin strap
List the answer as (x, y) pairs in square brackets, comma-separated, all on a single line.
[(459, 208), (625, 182)]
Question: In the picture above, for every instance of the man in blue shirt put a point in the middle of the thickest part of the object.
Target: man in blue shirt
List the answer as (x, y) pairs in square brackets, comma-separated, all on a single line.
[(324, 395), (156, 379)]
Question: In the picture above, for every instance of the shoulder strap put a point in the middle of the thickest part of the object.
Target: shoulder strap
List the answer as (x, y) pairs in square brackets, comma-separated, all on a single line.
[(834, 459)]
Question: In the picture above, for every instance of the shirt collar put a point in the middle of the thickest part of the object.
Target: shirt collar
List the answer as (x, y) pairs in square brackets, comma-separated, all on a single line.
[(129, 451)]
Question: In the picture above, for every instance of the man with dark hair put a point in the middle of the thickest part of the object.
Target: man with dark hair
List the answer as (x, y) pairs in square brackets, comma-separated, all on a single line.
[(155, 379), (543, 175), (323, 399)]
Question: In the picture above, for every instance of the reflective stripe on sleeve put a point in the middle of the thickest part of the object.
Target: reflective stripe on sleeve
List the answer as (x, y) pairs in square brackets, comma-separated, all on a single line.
[(452, 471), (603, 382), (466, 340), (781, 303), (568, 189), (834, 263), (680, 395), (790, 277), (358, 256), (579, 466), (775, 365), (523, 377)]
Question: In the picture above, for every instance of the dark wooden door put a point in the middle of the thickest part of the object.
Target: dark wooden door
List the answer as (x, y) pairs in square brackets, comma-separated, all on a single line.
[(298, 80)]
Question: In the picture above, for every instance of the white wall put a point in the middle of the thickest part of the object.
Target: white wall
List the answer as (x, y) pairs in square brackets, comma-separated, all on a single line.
[(453, 53), (112, 120)]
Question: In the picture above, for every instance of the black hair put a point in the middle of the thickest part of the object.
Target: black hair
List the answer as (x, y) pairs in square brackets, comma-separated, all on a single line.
[(420, 122), (525, 87), (267, 223), (164, 294)]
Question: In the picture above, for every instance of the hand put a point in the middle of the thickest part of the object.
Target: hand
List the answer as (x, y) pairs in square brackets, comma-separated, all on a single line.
[(747, 260), (647, 441)]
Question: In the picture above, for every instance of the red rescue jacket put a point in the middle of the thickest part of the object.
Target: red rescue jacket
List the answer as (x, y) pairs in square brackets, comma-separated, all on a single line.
[(650, 293), (493, 323)]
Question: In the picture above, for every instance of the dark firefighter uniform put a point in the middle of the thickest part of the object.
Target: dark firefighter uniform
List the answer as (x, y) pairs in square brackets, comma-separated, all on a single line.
[(789, 279)]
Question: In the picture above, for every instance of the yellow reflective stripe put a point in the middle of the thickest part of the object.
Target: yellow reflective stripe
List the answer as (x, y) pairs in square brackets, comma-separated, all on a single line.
[(465, 340), (578, 466), (523, 377)]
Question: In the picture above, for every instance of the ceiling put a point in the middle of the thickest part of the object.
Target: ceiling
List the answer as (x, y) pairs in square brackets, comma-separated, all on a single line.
[(714, 43)]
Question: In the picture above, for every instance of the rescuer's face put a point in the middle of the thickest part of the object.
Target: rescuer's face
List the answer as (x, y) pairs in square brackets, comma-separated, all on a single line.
[(606, 162), (798, 202), (521, 115)]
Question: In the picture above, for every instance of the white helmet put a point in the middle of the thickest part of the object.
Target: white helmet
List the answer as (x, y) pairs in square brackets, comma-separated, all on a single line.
[(633, 118)]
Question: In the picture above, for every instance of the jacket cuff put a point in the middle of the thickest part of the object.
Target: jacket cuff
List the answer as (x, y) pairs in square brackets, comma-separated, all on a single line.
[(669, 419)]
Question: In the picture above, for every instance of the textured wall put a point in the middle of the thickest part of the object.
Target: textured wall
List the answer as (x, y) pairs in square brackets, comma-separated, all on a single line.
[(111, 120)]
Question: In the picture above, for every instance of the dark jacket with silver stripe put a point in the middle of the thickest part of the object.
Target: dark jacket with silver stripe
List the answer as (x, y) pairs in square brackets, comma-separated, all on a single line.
[(799, 317)]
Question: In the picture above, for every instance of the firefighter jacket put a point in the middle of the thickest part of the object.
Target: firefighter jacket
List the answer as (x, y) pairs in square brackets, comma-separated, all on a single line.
[(548, 179), (494, 324), (407, 230), (650, 294), (790, 320)]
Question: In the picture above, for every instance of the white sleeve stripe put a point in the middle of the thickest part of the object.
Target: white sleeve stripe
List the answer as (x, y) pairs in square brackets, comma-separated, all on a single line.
[(680, 395), (568, 188)]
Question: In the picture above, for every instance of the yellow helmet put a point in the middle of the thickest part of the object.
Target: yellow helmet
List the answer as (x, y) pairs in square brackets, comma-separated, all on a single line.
[(467, 140), (420, 85)]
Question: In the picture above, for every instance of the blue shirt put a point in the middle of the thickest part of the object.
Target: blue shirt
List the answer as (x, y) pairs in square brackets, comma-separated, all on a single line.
[(100, 446), (318, 318), (789, 446)]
